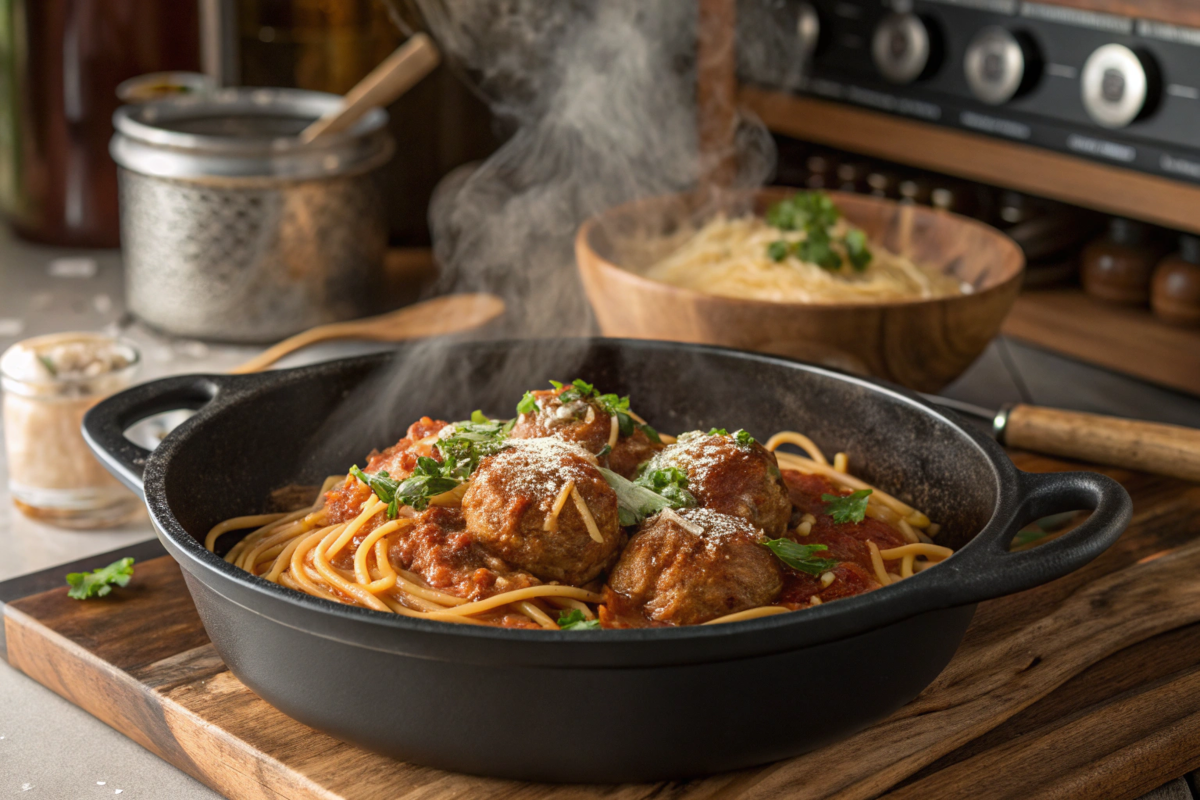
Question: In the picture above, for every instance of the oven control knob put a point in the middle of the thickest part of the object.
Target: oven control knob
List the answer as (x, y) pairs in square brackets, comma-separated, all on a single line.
[(1116, 85), (998, 65), (808, 29), (903, 47)]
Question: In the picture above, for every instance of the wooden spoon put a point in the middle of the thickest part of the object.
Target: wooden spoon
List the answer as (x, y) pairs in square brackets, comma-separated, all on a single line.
[(442, 315), (398, 73)]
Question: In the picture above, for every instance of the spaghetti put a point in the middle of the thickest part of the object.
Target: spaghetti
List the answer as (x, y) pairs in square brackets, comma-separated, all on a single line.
[(365, 542), (732, 257)]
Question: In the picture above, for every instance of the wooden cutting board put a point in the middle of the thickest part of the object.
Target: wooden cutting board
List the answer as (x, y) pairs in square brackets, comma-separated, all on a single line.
[(1084, 688)]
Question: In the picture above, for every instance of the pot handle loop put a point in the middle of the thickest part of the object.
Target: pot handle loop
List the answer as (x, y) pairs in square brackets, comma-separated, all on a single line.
[(104, 424), (986, 567)]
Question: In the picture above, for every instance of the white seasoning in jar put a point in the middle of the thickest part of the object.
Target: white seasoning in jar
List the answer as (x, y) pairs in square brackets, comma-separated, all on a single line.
[(49, 383)]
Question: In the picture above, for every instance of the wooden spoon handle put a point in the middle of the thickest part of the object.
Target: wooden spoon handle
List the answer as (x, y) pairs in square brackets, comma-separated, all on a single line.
[(412, 61), (1146, 446), (437, 317)]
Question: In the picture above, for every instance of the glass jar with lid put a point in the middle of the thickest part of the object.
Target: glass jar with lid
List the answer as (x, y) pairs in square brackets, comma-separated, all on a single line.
[(49, 382)]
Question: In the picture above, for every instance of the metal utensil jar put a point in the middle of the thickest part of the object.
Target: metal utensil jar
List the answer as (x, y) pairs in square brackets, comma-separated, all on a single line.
[(233, 230)]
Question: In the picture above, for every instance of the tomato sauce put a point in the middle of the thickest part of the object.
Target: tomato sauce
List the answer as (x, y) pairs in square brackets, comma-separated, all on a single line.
[(846, 543), (346, 501), (438, 547)]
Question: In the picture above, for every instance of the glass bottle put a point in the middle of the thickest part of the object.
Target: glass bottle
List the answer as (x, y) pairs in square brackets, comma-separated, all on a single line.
[(1175, 293), (323, 45), (852, 176), (49, 382), (822, 169), (65, 59), (1119, 265)]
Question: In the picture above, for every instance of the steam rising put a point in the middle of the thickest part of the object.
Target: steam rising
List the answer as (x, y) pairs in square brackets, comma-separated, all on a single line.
[(601, 96), (600, 99)]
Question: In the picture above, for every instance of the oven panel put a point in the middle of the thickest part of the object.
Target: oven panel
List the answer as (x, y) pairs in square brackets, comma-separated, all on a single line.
[(1109, 89)]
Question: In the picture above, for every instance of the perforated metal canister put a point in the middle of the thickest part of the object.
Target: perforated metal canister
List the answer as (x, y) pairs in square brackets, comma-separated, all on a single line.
[(233, 229)]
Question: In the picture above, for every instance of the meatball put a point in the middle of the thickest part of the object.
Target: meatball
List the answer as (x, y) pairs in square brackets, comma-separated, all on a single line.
[(509, 508), (731, 477), (585, 422), (581, 422), (691, 566)]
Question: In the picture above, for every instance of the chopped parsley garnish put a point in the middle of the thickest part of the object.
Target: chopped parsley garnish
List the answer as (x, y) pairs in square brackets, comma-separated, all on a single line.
[(740, 436), (635, 502), (802, 211), (815, 214), (429, 479), (579, 390), (467, 444), (528, 404), (48, 364), (669, 482), (613, 405), (651, 434), (850, 508), (801, 556), (99, 582), (574, 620), (619, 407), (818, 249), (383, 486), (857, 250)]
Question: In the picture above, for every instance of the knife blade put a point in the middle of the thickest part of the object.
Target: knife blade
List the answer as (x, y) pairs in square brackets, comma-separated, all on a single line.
[(978, 413)]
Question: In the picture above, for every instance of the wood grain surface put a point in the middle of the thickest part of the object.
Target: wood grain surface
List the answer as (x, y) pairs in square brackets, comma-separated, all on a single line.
[(981, 158), (1150, 446), (1086, 687), (716, 90), (923, 345), (1129, 340), (444, 315), (1179, 12)]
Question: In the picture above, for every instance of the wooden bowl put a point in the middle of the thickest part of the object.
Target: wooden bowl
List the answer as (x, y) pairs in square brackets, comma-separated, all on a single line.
[(921, 344)]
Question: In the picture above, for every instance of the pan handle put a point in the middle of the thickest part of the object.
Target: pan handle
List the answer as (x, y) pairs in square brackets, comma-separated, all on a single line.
[(104, 424), (986, 568)]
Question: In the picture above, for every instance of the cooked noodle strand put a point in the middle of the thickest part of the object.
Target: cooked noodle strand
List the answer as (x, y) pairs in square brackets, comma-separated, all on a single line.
[(300, 550)]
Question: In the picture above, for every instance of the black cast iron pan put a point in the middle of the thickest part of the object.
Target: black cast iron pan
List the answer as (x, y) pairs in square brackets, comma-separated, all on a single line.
[(595, 706)]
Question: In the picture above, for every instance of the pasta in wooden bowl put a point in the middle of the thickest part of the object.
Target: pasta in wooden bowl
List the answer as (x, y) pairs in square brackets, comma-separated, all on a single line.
[(870, 286)]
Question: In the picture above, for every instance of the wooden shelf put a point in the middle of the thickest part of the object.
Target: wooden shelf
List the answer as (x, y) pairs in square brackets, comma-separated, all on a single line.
[(1128, 340), (976, 157), (1178, 12)]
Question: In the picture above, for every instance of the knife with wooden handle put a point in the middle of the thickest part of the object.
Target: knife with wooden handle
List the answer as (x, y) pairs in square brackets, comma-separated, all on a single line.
[(1152, 447)]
